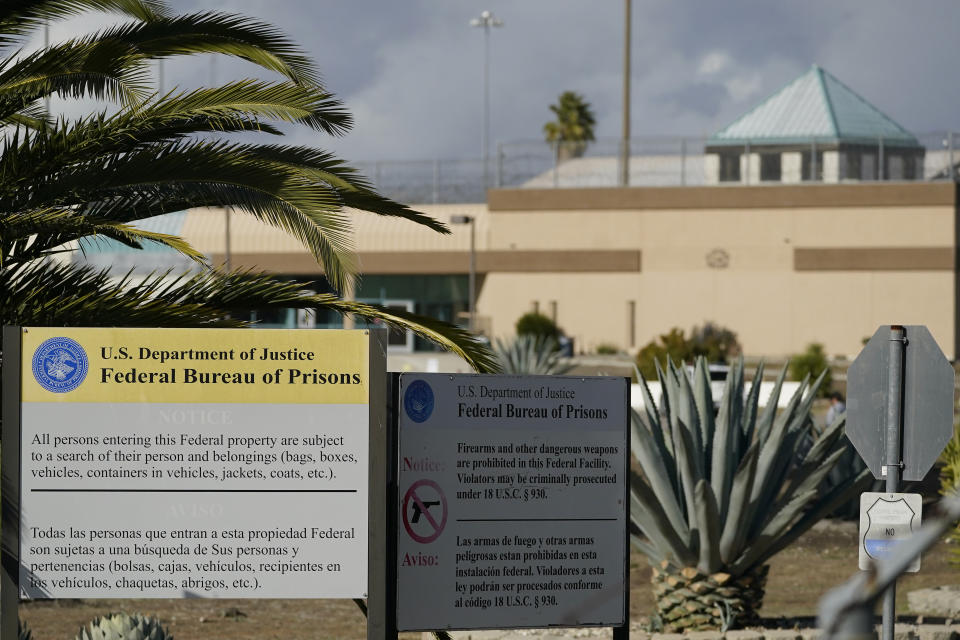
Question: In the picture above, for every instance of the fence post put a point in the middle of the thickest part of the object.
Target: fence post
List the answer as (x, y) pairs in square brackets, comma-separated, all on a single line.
[(556, 163), (813, 160), (683, 162), (952, 172), (746, 154), (881, 174)]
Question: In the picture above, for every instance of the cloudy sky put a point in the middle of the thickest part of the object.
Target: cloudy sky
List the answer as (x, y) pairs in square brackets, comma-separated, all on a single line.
[(411, 71)]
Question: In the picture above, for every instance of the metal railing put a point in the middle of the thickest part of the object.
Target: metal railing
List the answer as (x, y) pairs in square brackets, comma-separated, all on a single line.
[(665, 161)]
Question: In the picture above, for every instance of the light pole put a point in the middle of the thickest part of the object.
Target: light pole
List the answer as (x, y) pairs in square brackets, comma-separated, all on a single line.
[(472, 287), (486, 20), (625, 136)]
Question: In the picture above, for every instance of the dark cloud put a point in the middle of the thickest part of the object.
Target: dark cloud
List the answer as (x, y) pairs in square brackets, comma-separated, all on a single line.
[(411, 72), (701, 98)]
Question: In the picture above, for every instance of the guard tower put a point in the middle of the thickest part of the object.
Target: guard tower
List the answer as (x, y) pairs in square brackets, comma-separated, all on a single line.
[(814, 129)]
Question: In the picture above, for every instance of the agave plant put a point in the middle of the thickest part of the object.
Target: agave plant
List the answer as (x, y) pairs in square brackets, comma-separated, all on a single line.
[(120, 626), (23, 630), (530, 354), (718, 495)]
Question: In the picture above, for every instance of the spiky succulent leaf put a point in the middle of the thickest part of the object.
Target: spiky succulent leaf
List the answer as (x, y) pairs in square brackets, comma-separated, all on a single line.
[(23, 630), (531, 355), (120, 626), (737, 480)]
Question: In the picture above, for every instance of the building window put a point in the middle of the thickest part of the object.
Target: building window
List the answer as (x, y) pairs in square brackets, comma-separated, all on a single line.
[(853, 165), (910, 163), (894, 167), (807, 166), (869, 167), (729, 167), (770, 167)]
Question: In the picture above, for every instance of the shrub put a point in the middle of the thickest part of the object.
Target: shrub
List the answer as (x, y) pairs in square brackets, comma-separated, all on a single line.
[(607, 349), (715, 343), (537, 325), (950, 483), (812, 362)]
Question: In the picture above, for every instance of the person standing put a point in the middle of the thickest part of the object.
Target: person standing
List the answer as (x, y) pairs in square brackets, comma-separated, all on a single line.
[(837, 407)]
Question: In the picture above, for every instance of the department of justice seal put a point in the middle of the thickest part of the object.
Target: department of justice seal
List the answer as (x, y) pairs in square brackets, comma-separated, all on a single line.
[(60, 365), (418, 401)]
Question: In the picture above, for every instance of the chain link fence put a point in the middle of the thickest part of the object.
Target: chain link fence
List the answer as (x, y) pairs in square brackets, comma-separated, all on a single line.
[(661, 161)]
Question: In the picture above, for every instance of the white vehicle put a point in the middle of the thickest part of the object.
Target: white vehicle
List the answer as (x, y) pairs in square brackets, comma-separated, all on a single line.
[(718, 379)]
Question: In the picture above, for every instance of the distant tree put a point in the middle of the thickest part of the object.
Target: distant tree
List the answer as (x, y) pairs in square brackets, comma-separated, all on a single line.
[(812, 362), (673, 345), (717, 344), (573, 128), (538, 325)]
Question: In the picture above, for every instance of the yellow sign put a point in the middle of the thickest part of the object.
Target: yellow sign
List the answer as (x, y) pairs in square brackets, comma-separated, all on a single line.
[(195, 365)]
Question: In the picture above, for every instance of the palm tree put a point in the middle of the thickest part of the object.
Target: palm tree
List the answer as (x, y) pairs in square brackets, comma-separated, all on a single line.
[(151, 154), (573, 128)]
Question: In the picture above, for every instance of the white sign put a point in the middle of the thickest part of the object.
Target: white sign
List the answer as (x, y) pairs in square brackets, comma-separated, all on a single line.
[(886, 519), (194, 463), (512, 495)]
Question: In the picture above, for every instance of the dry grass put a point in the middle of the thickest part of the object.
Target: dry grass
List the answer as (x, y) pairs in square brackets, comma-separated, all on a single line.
[(798, 577)]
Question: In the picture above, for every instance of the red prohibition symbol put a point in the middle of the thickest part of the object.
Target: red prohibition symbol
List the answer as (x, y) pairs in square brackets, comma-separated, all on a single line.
[(421, 510)]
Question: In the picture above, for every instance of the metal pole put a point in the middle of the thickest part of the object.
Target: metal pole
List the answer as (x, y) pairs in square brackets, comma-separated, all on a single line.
[(813, 160), (881, 174), (10, 482), (227, 252), (953, 172), (436, 181), (46, 45), (891, 466), (625, 138), (499, 178), (683, 162), (382, 479), (556, 163), (746, 154), (473, 274), (486, 103), (486, 20)]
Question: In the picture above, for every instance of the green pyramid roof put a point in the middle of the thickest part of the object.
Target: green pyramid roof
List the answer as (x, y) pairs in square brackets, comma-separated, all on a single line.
[(815, 105)]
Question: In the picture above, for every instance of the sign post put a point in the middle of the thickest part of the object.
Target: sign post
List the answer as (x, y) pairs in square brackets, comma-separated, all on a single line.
[(899, 416), (891, 467), (513, 504), (164, 463)]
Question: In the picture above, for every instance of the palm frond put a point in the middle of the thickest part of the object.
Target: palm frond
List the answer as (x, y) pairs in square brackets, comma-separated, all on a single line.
[(114, 63), (32, 235), (19, 17), (214, 32), (50, 294)]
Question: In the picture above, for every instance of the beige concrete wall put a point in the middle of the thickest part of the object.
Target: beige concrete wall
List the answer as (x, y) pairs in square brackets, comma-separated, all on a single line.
[(775, 309)]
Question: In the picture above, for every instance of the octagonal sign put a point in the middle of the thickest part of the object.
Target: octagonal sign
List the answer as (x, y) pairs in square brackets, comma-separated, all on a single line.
[(927, 402)]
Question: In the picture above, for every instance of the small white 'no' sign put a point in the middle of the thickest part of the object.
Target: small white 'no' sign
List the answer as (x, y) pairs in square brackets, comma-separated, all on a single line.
[(886, 520)]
